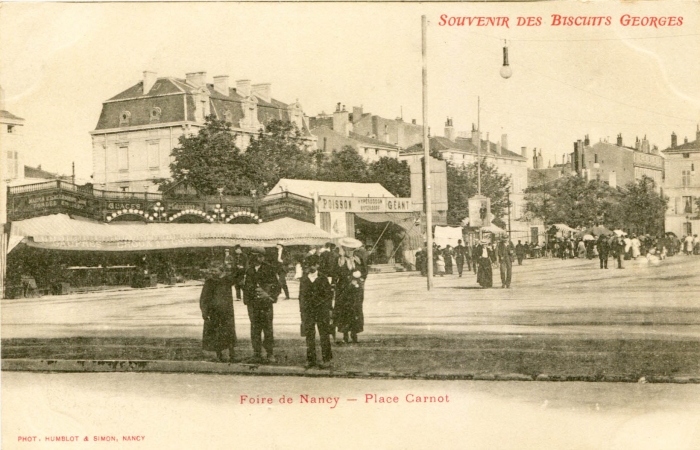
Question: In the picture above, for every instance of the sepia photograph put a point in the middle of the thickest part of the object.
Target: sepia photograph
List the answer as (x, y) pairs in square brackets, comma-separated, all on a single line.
[(285, 225)]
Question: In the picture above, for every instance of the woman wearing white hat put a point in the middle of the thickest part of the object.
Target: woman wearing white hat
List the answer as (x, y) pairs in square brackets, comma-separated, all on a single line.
[(348, 316)]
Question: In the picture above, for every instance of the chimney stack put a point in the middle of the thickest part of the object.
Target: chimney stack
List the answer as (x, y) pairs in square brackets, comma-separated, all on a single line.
[(356, 114), (449, 130), (523, 152), (243, 88), (697, 134), (674, 140), (413, 121), (476, 139), (504, 141), (221, 85), (619, 140), (586, 141), (263, 91), (2, 99), (341, 121), (197, 79), (149, 79)]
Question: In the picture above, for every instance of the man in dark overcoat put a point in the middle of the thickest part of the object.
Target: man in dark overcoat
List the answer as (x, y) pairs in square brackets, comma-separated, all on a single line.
[(603, 251), (259, 294), (505, 251), (315, 304), (459, 256), (520, 251)]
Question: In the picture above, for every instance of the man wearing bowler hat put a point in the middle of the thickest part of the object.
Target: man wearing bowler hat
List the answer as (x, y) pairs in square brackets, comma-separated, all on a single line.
[(259, 294)]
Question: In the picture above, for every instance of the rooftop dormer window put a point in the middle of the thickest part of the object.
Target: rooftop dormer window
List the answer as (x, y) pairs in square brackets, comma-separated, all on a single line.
[(155, 114), (124, 119)]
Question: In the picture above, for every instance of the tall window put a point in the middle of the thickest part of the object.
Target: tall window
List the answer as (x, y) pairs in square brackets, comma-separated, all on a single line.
[(123, 158), (685, 178), (688, 228), (688, 204), (153, 155)]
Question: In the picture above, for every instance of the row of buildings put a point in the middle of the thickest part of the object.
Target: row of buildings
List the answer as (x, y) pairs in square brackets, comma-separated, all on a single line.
[(138, 128)]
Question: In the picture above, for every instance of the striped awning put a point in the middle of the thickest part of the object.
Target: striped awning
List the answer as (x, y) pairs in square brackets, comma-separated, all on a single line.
[(60, 232)]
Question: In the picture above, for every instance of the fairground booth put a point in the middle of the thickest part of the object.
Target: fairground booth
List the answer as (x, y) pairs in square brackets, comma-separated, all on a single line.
[(389, 227), (65, 237)]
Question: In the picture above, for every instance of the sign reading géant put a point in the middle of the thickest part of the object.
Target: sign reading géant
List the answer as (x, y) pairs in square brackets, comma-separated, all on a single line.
[(364, 204)]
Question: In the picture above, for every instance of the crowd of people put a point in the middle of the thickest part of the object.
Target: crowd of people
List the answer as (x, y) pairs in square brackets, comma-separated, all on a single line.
[(331, 296), (481, 258)]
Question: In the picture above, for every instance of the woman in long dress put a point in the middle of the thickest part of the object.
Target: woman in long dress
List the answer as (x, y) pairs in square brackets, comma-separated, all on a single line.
[(485, 256), (216, 304), (348, 314)]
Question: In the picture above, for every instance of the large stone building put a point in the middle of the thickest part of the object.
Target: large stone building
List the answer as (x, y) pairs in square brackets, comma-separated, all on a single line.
[(462, 150), (12, 143), (139, 127), (338, 130), (617, 164), (682, 185)]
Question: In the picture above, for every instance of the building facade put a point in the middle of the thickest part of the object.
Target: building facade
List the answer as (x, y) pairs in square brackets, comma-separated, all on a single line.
[(682, 185), (11, 143), (138, 128), (617, 164), (338, 130), (462, 150)]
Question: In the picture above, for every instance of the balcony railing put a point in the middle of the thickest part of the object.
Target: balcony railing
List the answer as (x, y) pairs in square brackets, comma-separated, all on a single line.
[(70, 187)]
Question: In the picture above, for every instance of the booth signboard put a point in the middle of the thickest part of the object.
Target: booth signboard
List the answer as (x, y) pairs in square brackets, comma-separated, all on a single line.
[(479, 211), (364, 204)]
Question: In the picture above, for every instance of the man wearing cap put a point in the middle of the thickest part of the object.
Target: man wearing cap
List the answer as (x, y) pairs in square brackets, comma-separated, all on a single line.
[(259, 294), (348, 315), (505, 252), (315, 303)]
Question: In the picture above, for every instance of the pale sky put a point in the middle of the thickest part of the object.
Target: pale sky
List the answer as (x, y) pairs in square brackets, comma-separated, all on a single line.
[(59, 62)]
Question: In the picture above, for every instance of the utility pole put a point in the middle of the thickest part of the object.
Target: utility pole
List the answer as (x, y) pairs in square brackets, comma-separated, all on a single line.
[(426, 156)]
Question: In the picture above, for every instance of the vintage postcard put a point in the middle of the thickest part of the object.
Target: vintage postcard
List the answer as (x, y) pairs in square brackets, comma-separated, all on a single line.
[(350, 225)]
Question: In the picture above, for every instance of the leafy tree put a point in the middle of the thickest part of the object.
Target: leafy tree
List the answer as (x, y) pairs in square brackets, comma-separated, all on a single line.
[(209, 160), (393, 174), (462, 184), (344, 165), (575, 202), (642, 207), (277, 152)]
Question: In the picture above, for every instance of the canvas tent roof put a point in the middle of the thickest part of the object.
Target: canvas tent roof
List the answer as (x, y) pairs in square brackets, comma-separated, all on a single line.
[(60, 232), (310, 188)]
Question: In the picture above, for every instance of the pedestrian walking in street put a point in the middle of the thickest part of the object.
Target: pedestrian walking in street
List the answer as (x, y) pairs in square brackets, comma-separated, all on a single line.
[(505, 251), (281, 269), (447, 255), (603, 251), (439, 263), (520, 251), (216, 304), (618, 249), (348, 314), (260, 294), (315, 304), (485, 256), (459, 257)]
